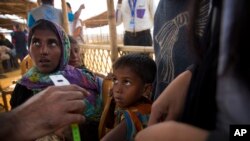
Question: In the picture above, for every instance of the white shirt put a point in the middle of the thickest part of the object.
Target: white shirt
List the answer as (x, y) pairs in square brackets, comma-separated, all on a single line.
[(143, 17)]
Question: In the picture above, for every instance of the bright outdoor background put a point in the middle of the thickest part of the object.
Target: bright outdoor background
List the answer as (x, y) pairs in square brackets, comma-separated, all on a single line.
[(92, 8)]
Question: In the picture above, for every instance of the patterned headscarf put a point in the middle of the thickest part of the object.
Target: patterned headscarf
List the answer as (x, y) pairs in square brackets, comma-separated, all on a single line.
[(37, 81)]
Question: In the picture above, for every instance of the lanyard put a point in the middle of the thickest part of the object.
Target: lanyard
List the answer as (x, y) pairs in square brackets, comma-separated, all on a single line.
[(60, 80), (132, 9)]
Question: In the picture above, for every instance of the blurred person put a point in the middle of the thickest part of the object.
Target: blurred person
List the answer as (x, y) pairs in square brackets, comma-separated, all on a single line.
[(19, 40), (89, 129), (171, 39), (208, 111), (12, 63), (75, 24), (137, 17), (45, 11), (75, 57)]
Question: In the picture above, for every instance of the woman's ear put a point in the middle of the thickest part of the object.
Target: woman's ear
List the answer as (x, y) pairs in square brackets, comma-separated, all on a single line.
[(147, 90)]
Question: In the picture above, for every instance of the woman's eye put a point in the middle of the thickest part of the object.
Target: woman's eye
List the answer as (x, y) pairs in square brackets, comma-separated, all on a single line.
[(52, 43), (36, 43)]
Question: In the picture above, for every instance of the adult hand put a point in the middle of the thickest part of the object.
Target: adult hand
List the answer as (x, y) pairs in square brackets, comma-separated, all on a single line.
[(48, 111), (169, 104)]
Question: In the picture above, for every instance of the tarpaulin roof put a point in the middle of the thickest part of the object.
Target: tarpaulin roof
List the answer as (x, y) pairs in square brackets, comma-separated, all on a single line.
[(19, 8), (96, 21)]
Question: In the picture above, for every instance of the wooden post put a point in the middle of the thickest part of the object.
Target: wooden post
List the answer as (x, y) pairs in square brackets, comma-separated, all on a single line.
[(65, 17), (38, 2), (112, 30)]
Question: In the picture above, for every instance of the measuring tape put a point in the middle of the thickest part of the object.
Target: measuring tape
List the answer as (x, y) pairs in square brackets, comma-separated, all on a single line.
[(60, 80)]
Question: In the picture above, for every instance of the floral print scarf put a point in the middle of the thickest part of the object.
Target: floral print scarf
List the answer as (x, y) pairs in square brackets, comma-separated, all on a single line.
[(37, 81)]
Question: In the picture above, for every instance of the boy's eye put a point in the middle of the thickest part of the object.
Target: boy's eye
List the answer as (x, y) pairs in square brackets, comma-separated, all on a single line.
[(115, 81), (127, 82)]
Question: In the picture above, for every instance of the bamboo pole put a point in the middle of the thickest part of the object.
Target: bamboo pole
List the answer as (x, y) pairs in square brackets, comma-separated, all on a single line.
[(38, 2), (65, 17), (112, 30)]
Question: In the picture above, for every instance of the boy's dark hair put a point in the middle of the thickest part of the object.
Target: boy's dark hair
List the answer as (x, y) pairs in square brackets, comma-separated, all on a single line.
[(141, 64)]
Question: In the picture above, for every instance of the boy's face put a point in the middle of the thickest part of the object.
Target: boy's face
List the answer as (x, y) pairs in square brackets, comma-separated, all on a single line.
[(128, 88)]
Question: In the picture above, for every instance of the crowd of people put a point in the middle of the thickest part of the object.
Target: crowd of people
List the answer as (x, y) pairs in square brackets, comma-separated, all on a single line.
[(195, 89)]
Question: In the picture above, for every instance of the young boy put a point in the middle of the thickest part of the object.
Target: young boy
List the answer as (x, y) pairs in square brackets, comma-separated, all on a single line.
[(133, 75)]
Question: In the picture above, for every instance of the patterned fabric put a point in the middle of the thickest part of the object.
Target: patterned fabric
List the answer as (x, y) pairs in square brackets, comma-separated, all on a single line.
[(136, 118), (171, 39), (37, 81)]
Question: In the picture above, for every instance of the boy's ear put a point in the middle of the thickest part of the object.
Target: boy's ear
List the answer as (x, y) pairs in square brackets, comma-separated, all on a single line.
[(147, 90)]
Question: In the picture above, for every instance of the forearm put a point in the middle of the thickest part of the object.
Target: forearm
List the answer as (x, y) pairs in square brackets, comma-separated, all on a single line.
[(118, 14), (19, 125), (13, 129), (78, 12), (6, 129)]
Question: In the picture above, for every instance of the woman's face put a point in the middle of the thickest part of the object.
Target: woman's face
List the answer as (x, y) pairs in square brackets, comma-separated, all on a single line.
[(45, 50)]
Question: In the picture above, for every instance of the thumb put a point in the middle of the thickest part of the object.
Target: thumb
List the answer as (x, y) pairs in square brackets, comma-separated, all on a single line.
[(155, 117)]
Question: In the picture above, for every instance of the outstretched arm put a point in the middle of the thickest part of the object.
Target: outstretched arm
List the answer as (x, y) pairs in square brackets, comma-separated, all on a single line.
[(118, 13), (44, 113), (79, 11)]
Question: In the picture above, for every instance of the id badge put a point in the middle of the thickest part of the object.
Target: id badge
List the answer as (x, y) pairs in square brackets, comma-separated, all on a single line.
[(59, 80), (132, 24)]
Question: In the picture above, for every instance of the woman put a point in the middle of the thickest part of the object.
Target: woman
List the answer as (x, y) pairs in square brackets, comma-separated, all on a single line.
[(49, 49)]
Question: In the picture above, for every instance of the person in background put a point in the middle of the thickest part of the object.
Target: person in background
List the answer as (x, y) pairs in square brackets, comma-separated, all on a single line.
[(133, 77), (19, 40), (137, 17), (30, 120), (221, 79), (45, 11), (75, 24), (75, 57), (88, 129), (171, 40), (49, 49), (12, 63)]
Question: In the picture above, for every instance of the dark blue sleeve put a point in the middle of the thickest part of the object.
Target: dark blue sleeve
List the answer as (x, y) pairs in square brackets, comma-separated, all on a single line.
[(31, 20)]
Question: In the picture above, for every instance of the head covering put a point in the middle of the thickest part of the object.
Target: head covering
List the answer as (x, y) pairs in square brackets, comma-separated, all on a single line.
[(37, 81)]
